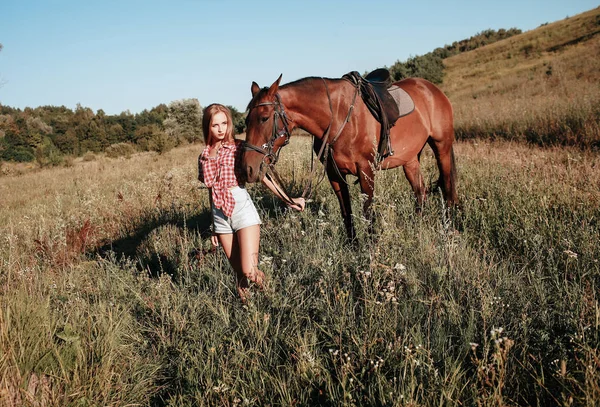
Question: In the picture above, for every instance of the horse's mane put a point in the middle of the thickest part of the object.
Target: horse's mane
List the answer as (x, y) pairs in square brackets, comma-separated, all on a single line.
[(302, 82)]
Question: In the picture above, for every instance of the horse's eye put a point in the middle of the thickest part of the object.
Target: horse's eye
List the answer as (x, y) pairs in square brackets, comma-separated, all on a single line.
[(264, 119)]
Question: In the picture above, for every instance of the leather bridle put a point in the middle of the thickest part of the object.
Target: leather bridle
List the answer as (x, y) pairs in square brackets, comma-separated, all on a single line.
[(269, 156)]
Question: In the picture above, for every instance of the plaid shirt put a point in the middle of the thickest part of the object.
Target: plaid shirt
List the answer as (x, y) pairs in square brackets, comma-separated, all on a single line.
[(221, 173)]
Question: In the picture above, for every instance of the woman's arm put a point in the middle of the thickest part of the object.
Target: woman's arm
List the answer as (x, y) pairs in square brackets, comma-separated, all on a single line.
[(208, 168), (296, 203)]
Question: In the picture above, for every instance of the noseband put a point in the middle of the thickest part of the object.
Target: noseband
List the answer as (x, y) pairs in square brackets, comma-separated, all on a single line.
[(266, 149)]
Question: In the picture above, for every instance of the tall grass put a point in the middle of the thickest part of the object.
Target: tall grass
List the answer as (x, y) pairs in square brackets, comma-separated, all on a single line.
[(111, 295)]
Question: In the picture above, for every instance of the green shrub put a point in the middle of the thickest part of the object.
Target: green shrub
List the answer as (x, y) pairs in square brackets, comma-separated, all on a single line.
[(120, 150), (18, 154), (89, 156), (46, 154)]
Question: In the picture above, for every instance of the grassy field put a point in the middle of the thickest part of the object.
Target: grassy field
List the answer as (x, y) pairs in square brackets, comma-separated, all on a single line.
[(111, 296)]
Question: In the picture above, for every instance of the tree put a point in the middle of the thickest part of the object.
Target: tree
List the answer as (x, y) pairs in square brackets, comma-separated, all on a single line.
[(46, 153), (184, 121), (151, 137), (428, 66), (16, 143), (67, 142), (37, 129), (239, 120)]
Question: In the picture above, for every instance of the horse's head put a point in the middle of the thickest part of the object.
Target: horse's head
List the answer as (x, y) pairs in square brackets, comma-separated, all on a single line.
[(267, 130)]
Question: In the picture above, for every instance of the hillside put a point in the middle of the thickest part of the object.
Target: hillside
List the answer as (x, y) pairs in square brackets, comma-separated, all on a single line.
[(542, 85), (570, 43)]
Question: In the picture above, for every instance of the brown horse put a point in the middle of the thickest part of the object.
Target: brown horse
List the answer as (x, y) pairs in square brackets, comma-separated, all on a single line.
[(330, 110)]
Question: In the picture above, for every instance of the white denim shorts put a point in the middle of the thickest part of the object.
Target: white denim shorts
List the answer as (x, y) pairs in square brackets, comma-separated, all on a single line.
[(244, 214)]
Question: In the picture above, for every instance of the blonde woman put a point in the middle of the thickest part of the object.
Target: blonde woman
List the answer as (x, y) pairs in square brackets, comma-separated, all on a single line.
[(236, 223)]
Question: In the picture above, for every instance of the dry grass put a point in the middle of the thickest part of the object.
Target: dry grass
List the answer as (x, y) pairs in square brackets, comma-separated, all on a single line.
[(153, 317)]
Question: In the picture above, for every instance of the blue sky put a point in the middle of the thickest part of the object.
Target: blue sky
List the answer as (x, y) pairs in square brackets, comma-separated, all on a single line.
[(133, 55)]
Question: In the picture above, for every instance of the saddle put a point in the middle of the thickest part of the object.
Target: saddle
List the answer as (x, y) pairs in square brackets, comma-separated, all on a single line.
[(386, 103)]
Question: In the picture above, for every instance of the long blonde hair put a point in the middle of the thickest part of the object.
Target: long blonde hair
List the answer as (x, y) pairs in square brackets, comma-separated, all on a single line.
[(207, 115)]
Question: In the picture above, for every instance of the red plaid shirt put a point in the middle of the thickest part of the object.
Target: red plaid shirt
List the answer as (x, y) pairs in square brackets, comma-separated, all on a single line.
[(221, 173)]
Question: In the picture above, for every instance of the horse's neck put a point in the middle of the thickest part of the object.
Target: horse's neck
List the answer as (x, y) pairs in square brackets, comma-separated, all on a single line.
[(309, 104)]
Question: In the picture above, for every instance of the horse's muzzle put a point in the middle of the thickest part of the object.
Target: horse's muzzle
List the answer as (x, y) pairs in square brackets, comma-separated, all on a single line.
[(252, 173)]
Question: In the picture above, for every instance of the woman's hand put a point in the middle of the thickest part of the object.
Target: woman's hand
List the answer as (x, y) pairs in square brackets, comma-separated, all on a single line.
[(215, 241), (299, 204)]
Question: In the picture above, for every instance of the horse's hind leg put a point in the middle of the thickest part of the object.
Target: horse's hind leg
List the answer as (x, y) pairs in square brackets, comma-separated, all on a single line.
[(412, 171), (444, 155)]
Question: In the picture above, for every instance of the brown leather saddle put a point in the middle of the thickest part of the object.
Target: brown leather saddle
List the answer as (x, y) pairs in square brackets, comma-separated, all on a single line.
[(375, 89)]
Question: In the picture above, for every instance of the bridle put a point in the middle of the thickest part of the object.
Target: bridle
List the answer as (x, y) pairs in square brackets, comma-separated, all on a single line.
[(279, 115)]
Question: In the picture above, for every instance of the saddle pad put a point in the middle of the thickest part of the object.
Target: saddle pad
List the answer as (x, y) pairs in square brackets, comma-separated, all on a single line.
[(402, 99)]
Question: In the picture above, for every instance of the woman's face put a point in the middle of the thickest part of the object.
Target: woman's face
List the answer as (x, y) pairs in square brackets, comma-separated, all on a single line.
[(218, 127)]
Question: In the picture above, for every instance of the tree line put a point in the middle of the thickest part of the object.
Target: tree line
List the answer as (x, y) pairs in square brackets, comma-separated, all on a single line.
[(47, 134)]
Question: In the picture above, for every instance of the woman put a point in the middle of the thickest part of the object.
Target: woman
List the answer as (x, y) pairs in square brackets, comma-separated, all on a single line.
[(236, 223)]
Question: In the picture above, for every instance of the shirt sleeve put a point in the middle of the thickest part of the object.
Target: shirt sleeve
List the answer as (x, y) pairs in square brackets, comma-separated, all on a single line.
[(207, 170)]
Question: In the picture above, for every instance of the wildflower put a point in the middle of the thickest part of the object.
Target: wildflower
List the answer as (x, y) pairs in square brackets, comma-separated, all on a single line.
[(495, 332), (400, 267)]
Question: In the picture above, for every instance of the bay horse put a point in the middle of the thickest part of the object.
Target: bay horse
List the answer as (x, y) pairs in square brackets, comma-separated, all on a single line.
[(329, 110)]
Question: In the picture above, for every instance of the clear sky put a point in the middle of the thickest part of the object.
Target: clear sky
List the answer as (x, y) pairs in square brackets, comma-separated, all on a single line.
[(135, 54)]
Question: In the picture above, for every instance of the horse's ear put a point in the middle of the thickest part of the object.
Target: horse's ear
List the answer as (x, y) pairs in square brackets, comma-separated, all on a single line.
[(254, 88), (275, 86)]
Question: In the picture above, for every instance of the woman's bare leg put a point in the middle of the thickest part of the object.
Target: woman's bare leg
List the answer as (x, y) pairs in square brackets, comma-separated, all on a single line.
[(230, 245), (241, 249), (248, 240)]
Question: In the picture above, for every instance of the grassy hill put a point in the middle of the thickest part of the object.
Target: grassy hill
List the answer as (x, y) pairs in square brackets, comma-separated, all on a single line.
[(542, 85)]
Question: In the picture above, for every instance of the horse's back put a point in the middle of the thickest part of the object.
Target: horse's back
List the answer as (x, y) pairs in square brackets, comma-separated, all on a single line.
[(430, 101), (419, 88)]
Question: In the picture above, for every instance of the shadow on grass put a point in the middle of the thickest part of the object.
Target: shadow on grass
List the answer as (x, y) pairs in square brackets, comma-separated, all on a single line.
[(158, 262), (128, 247)]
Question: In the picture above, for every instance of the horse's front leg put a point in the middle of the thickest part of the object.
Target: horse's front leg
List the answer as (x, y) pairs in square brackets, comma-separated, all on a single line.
[(340, 187), (366, 178)]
